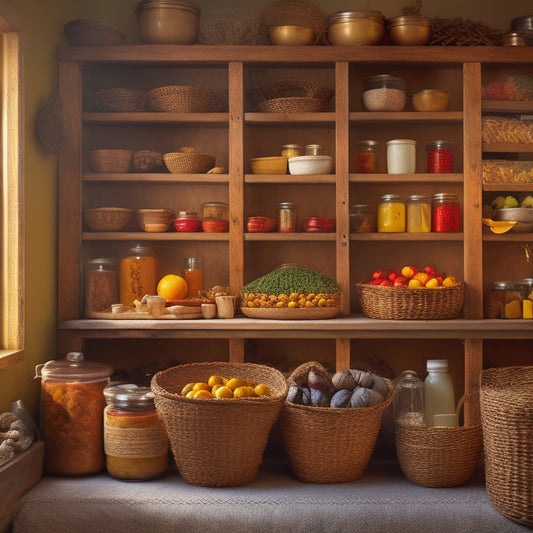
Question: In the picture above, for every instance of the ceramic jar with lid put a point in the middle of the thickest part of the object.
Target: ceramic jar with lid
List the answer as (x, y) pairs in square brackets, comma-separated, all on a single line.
[(72, 406), (384, 93), (401, 156)]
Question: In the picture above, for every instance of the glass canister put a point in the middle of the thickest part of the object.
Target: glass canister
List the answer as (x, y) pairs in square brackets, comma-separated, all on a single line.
[(291, 150), (440, 157), (439, 400), (135, 438), (527, 302), (418, 214), (384, 93), (445, 213), (401, 156), (287, 217), (72, 405), (101, 284), (313, 149), (362, 218), (391, 214), (366, 157), (408, 399), (505, 300), (139, 274), (216, 210), (193, 274)]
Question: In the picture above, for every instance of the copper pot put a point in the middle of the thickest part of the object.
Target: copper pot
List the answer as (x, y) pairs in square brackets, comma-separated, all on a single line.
[(410, 30)]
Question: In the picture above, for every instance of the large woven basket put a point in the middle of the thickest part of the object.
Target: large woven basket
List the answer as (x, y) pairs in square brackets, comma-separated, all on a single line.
[(507, 421), (218, 442), (183, 99), (110, 160), (396, 303), (328, 444), (188, 162)]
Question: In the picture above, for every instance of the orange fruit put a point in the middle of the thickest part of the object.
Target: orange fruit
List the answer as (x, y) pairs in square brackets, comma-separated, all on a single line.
[(172, 287), (262, 390), (244, 392), (203, 394), (223, 392)]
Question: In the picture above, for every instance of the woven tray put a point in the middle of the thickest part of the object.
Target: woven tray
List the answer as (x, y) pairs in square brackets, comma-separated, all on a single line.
[(507, 421), (292, 104), (218, 442), (395, 303)]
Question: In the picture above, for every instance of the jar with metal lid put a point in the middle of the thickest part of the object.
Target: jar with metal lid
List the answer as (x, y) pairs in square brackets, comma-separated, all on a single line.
[(138, 275), (101, 284), (193, 274), (359, 28), (366, 156), (445, 213), (291, 150), (401, 156), (391, 214), (418, 210), (187, 221), (313, 149), (408, 399), (287, 217), (440, 157), (135, 438), (505, 300), (527, 302), (384, 93), (72, 405), (216, 211), (362, 218)]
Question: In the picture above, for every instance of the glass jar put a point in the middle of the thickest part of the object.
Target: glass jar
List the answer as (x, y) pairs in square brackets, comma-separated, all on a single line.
[(72, 404), (366, 157), (391, 214), (313, 149), (527, 302), (418, 214), (135, 438), (291, 150), (216, 210), (101, 285), (384, 93), (187, 221), (408, 399), (193, 274), (445, 213), (440, 157), (287, 217), (362, 219), (139, 274), (401, 156), (505, 300)]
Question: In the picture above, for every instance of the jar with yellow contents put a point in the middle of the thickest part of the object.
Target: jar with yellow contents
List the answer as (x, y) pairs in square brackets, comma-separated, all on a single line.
[(391, 214), (418, 214), (139, 274)]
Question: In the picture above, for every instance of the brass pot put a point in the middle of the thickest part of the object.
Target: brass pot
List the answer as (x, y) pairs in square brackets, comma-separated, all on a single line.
[(292, 35), (410, 30), (360, 28)]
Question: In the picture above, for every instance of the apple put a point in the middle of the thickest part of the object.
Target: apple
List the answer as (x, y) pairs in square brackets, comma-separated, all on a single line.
[(400, 281)]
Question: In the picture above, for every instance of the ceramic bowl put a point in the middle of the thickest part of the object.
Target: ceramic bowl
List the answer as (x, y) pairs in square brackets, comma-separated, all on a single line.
[(310, 164), (269, 165), (107, 218), (430, 100)]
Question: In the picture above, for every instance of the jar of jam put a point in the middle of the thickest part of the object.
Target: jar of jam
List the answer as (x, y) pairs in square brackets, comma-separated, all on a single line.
[(187, 221), (287, 217), (418, 214), (135, 438), (291, 150), (362, 218), (72, 406), (193, 274), (445, 213), (366, 157), (101, 285), (139, 274), (440, 157), (391, 214), (504, 300)]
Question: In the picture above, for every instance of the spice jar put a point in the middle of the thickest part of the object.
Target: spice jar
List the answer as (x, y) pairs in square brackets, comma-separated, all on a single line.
[(362, 219), (135, 438), (384, 93), (187, 221), (440, 157), (139, 274), (418, 214), (291, 150), (391, 214), (408, 399), (193, 275), (504, 300), (287, 217), (101, 285), (527, 302), (72, 404), (445, 213), (215, 210), (366, 156), (401, 156)]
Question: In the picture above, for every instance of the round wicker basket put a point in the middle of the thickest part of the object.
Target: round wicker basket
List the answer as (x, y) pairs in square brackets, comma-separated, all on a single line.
[(110, 160), (107, 218), (188, 162), (93, 32), (118, 99), (183, 99)]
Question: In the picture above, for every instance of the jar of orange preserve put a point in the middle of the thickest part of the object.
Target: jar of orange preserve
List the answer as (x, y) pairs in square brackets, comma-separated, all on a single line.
[(139, 274), (193, 274), (72, 406)]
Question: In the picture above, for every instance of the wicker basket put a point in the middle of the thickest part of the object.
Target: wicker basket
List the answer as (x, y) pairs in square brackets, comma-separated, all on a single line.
[(107, 218), (148, 161), (117, 99), (328, 444), (188, 162), (290, 96), (93, 32), (396, 303), (218, 442), (507, 421), (110, 160), (183, 99)]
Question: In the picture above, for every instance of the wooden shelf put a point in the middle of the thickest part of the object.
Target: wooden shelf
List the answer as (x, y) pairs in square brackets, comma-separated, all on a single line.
[(146, 117), (165, 236), (406, 178), (383, 237), (155, 177), (406, 116), (508, 147)]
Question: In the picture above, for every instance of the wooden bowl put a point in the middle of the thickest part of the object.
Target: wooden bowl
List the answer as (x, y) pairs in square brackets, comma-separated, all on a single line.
[(292, 35), (154, 220), (269, 165), (107, 218)]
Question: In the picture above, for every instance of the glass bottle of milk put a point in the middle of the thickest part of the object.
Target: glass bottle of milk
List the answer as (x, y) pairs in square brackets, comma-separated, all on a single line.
[(439, 401)]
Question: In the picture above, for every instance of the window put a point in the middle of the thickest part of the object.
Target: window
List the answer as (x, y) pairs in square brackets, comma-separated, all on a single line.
[(11, 189)]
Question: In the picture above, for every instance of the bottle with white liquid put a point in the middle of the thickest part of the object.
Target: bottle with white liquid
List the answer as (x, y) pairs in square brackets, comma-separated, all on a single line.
[(439, 401)]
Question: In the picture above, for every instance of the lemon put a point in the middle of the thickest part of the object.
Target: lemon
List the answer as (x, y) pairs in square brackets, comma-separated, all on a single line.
[(215, 387), (262, 390), (214, 380), (224, 392), (244, 392), (203, 394), (187, 389), (200, 385), (172, 287), (234, 383)]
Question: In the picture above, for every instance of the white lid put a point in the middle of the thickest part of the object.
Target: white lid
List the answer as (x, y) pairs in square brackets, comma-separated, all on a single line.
[(401, 141), (437, 364)]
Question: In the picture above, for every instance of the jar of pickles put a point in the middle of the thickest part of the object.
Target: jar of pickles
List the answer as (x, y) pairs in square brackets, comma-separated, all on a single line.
[(366, 157), (135, 438), (391, 214), (445, 213), (101, 284), (418, 214), (215, 210), (440, 157), (139, 274), (505, 300)]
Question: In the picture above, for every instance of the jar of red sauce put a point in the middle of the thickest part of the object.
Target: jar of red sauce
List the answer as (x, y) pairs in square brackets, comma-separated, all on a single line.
[(445, 213), (187, 221), (440, 157)]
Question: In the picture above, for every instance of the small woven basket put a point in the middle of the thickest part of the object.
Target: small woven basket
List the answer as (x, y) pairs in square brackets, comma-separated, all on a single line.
[(218, 442), (148, 161), (507, 421), (290, 96), (183, 99), (117, 99), (110, 160), (396, 303), (107, 218), (329, 444), (188, 162)]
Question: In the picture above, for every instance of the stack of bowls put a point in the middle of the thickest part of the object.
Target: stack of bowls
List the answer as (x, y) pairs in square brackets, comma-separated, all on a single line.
[(524, 27), (410, 30)]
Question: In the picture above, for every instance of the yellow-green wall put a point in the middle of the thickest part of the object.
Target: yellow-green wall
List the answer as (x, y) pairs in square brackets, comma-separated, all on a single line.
[(43, 22)]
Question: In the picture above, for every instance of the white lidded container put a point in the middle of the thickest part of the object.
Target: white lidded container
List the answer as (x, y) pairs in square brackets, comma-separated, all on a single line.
[(439, 400), (401, 156)]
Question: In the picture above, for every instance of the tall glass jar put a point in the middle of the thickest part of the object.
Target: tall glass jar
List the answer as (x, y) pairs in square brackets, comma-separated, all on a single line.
[(139, 274), (72, 404), (366, 157), (362, 218), (401, 156), (391, 214), (408, 399), (440, 157), (286, 217), (135, 439), (527, 302), (418, 214), (101, 285), (193, 274), (445, 213), (505, 300)]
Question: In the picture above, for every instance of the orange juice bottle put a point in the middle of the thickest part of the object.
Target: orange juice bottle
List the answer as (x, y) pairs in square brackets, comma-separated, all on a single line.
[(139, 274), (194, 275)]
